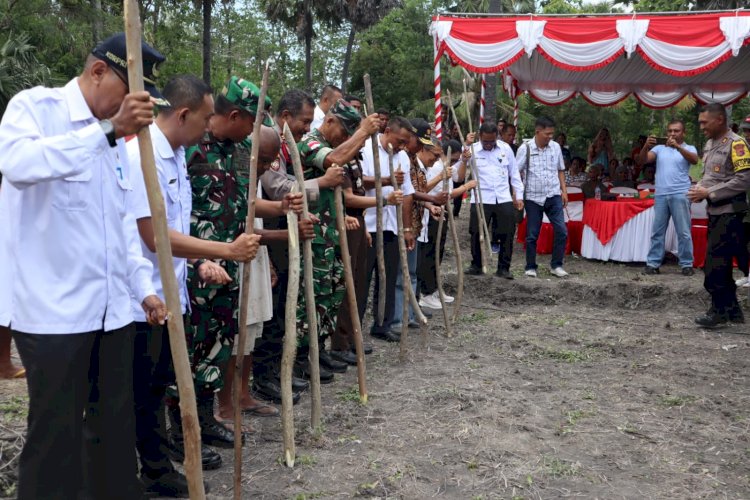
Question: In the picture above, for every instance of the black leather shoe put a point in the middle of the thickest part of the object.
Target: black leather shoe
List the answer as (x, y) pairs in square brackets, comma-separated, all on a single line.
[(213, 433), (331, 364), (504, 273), (735, 315), (345, 357), (687, 271), (366, 347), (302, 370), (270, 390), (210, 460), (474, 271), (171, 485), (387, 336), (711, 319), (650, 270), (414, 325), (299, 384)]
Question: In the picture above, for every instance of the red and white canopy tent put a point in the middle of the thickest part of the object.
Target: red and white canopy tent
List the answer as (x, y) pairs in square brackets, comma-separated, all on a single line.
[(658, 58)]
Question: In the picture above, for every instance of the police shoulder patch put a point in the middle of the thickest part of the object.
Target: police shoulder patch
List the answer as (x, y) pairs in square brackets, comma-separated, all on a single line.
[(740, 155)]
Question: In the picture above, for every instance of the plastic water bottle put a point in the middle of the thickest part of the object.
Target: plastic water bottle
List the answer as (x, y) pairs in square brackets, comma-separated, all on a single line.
[(597, 193)]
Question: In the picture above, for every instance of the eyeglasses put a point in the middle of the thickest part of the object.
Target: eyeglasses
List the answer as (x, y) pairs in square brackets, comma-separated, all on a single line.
[(120, 76)]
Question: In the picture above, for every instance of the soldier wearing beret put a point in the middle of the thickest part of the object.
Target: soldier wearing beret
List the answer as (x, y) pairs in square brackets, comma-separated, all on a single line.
[(726, 178)]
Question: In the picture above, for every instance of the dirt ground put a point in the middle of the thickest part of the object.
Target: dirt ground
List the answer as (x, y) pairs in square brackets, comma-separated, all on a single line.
[(593, 386)]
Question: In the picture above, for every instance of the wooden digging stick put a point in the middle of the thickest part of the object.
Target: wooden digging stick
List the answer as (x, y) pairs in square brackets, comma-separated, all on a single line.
[(438, 271), (176, 327), (484, 254), (311, 311), (408, 292), (245, 294), (378, 211), (459, 260), (351, 294), (289, 350)]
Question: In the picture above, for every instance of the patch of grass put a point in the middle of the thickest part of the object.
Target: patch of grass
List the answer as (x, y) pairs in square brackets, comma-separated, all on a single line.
[(305, 460), (568, 355), (556, 467), (14, 408), (474, 318), (348, 439), (573, 417), (588, 395), (367, 489), (671, 400), (310, 496), (559, 322), (474, 365), (350, 394), (472, 465)]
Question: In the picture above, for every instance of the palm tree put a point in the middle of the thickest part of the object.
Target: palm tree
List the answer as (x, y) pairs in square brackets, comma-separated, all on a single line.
[(19, 68)]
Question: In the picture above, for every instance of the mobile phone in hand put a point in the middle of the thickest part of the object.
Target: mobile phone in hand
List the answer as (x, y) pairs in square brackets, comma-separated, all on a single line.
[(661, 140)]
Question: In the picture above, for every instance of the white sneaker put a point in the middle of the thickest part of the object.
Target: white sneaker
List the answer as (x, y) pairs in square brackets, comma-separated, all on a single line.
[(448, 298), (430, 302), (743, 282), (531, 273), (559, 272)]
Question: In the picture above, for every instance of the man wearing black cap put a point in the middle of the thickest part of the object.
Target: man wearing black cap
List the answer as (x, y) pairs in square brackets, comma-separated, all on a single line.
[(75, 262)]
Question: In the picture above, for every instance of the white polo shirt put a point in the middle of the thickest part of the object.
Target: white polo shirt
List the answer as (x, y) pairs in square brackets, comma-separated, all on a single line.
[(368, 169), (73, 247), (497, 171), (174, 181)]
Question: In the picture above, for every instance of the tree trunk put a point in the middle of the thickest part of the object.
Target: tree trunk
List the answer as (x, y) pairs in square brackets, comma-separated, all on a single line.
[(347, 60), (490, 93), (96, 20), (207, 4)]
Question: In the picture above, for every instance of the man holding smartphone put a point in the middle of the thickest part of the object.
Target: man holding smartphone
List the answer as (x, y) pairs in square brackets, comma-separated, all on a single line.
[(673, 160)]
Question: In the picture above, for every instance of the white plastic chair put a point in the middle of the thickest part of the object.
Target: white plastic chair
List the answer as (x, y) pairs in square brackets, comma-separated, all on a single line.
[(623, 190), (574, 210)]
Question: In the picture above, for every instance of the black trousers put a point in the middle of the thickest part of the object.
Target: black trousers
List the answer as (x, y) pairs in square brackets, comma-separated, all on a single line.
[(267, 352), (66, 455), (427, 260), (725, 242), (458, 200), (343, 337), (392, 270), (152, 374), (743, 260), (501, 220)]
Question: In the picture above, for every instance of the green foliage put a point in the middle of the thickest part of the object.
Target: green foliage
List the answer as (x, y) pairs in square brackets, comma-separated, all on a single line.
[(19, 68)]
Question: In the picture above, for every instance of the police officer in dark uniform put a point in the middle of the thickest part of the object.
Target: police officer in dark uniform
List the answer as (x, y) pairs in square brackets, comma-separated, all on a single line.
[(726, 178)]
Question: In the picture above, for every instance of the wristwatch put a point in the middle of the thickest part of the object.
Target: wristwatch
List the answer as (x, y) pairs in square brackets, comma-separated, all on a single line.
[(109, 132)]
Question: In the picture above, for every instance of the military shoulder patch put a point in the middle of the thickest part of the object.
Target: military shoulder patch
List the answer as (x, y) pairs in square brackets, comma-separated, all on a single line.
[(740, 155)]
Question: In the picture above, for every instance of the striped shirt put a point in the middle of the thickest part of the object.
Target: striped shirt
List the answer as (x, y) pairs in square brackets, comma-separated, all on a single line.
[(542, 180)]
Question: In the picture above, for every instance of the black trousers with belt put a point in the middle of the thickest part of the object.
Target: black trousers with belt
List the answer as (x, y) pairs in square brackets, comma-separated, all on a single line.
[(71, 377), (725, 242), (501, 220), (392, 270)]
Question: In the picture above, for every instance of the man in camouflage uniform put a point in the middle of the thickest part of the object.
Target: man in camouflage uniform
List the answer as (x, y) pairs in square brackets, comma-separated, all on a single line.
[(337, 141), (726, 178)]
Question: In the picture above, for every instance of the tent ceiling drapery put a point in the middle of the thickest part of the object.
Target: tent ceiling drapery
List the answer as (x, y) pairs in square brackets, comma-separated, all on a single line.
[(658, 58)]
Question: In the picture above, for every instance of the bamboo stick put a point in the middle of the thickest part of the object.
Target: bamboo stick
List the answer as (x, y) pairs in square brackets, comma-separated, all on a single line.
[(438, 270), (176, 326), (311, 311), (408, 293), (351, 295), (379, 317), (289, 349)]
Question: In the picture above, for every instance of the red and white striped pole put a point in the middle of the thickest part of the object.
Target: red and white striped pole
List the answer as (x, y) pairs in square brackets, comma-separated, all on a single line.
[(438, 103), (481, 99), (515, 114)]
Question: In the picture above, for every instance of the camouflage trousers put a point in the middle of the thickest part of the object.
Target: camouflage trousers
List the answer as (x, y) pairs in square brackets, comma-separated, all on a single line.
[(329, 289)]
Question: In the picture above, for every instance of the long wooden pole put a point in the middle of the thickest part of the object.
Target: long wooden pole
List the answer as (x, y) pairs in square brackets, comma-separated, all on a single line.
[(176, 327), (311, 311), (351, 295), (459, 259), (245, 294), (438, 244), (408, 293), (378, 210), (289, 348)]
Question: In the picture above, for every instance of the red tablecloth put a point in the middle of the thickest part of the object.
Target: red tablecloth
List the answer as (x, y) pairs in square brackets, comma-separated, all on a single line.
[(546, 237), (605, 218)]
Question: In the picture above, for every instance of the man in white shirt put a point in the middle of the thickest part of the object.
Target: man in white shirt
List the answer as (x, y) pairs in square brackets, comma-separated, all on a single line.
[(540, 162), (180, 125), (328, 97), (397, 133), (497, 172), (75, 261)]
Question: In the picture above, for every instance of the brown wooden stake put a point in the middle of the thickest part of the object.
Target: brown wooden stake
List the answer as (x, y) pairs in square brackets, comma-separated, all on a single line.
[(176, 327), (351, 294), (438, 270), (409, 296), (289, 350), (312, 315), (378, 210), (459, 265)]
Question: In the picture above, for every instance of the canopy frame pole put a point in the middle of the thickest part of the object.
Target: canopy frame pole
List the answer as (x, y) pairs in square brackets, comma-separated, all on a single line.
[(438, 103)]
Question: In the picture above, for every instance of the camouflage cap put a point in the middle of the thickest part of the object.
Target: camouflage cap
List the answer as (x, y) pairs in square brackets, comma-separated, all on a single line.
[(245, 94), (347, 115)]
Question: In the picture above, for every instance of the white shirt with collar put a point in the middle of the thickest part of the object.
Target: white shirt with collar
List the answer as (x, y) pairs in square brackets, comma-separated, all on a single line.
[(6, 237), (542, 180), (73, 249), (318, 116), (174, 181), (497, 171), (368, 169), (430, 173)]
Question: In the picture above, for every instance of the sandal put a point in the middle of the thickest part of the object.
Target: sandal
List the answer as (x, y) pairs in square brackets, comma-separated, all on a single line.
[(261, 410), (229, 424)]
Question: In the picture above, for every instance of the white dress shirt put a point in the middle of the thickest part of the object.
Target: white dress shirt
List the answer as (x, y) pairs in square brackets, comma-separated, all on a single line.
[(318, 117), (5, 269), (435, 170), (368, 169), (542, 180), (175, 187), (497, 171), (73, 245)]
